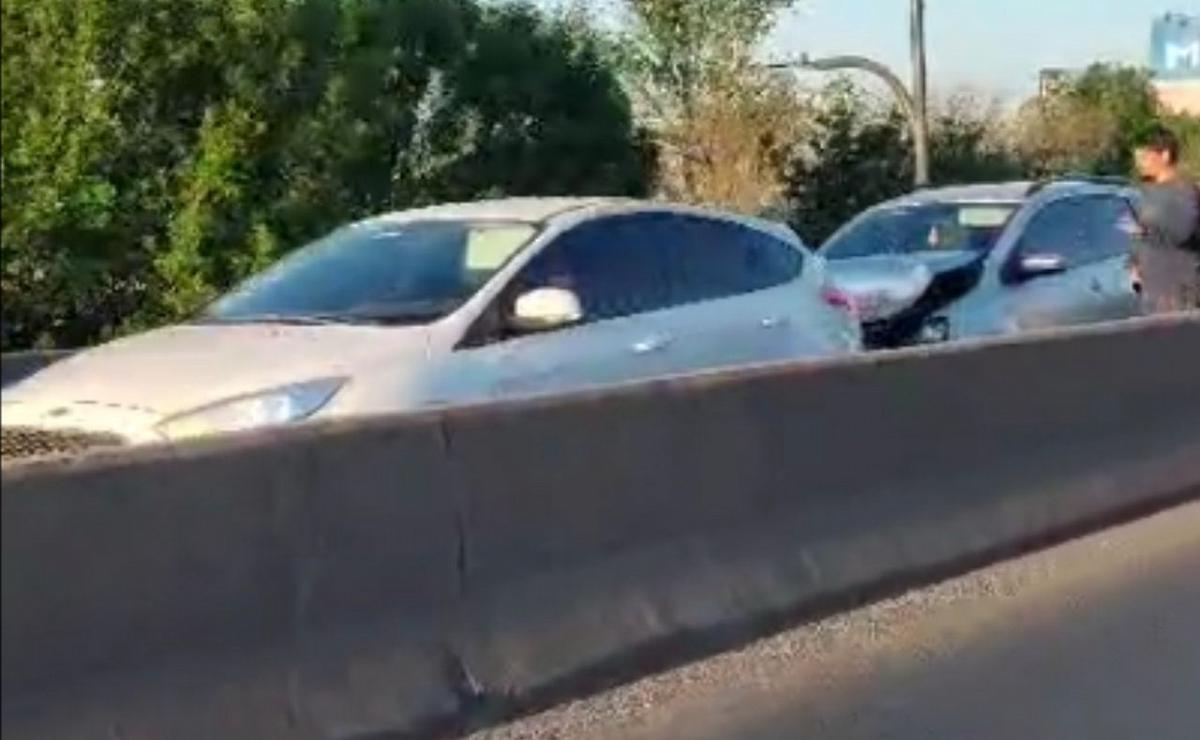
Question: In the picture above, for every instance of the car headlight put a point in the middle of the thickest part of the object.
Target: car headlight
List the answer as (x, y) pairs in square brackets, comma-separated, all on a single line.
[(268, 408)]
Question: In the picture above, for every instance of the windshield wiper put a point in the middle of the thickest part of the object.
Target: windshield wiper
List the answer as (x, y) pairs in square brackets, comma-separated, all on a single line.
[(284, 319), (381, 314), (404, 313)]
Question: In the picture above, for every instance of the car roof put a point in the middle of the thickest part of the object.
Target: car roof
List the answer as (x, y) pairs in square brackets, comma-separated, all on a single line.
[(544, 210), (530, 210), (1014, 193), (1007, 192)]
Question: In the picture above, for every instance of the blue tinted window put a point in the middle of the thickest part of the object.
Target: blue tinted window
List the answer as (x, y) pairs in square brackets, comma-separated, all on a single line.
[(616, 265), (1060, 228), (624, 265), (718, 259), (1112, 228)]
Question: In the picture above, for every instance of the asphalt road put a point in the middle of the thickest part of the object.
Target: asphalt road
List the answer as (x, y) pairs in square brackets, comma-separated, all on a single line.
[(1098, 639)]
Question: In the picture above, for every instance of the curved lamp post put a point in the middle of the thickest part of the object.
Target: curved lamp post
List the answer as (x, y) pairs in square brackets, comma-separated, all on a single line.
[(913, 104)]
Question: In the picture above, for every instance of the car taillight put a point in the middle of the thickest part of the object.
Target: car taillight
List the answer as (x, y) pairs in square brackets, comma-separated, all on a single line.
[(839, 299)]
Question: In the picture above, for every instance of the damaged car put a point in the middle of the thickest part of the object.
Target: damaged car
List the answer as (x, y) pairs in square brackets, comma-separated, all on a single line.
[(987, 260)]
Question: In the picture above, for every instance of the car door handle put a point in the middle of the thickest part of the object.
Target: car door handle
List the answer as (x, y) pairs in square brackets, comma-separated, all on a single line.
[(1096, 286), (774, 322), (656, 343)]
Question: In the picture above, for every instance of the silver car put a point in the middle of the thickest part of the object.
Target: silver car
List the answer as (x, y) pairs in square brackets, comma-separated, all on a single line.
[(988, 260), (454, 304)]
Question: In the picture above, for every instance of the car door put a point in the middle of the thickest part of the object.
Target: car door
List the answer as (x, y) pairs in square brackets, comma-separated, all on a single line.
[(739, 300), (620, 276), (1060, 229), (1114, 230)]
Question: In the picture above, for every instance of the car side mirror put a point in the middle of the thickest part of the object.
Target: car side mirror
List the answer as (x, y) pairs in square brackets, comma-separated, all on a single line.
[(545, 309), (1041, 264)]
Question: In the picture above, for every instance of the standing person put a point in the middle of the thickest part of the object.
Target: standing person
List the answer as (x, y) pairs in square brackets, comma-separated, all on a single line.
[(1168, 257)]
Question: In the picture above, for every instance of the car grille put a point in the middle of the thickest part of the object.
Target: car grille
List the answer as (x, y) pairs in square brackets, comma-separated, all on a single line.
[(22, 443)]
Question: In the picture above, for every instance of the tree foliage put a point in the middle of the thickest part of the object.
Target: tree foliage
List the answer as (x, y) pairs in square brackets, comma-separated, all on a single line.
[(854, 157), (154, 151), (858, 153), (1187, 128), (1090, 124), (722, 124)]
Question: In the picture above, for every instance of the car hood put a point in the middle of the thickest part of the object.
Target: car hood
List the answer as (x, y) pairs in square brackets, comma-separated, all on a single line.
[(180, 368), (882, 286)]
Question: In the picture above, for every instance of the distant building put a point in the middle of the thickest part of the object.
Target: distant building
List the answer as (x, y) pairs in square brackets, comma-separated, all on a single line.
[(1175, 61), (1174, 64)]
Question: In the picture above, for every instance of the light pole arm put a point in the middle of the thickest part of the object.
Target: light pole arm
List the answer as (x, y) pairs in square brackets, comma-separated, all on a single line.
[(907, 103)]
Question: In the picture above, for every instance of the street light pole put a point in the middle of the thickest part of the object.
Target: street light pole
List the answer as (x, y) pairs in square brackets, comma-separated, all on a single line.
[(920, 99), (908, 104), (914, 104)]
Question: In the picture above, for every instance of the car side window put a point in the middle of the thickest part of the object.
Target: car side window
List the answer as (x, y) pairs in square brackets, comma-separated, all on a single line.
[(712, 259), (630, 264), (780, 262), (613, 264), (1059, 228), (1112, 228), (616, 265)]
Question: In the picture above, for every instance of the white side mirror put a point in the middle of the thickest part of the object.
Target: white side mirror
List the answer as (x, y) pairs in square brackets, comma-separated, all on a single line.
[(545, 309)]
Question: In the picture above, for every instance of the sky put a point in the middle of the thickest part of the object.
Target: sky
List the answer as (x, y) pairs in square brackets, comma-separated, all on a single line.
[(993, 47)]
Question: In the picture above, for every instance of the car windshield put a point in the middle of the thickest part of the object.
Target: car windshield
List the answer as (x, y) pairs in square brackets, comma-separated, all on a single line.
[(935, 227), (377, 272)]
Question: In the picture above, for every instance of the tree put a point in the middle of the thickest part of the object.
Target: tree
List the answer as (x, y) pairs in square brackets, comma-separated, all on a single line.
[(722, 123), (858, 153), (1090, 124), (853, 158), (155, 151), (117, 186), (969, 142), (1187, 128), (534, 108)]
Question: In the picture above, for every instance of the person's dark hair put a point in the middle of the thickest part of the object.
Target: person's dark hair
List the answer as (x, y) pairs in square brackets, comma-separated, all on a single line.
[(1160, 139)]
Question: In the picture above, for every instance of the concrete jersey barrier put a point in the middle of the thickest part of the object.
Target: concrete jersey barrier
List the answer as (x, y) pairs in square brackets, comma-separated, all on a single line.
[(412, 576)]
